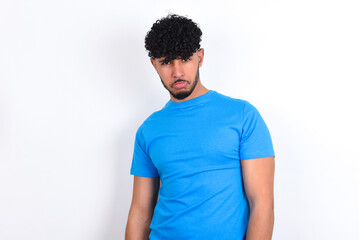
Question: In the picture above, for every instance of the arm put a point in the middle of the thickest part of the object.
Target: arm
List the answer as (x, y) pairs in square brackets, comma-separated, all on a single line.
[(258, 178), (144, 199)]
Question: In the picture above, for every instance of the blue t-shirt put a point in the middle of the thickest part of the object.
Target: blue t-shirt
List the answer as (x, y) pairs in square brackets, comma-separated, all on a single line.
[(195, 147)]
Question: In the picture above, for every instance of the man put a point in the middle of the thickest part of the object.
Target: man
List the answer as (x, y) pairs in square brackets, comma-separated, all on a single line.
[(212, 153)]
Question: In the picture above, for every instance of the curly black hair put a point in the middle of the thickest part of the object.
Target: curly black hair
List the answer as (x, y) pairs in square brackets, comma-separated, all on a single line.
[(173, 37)]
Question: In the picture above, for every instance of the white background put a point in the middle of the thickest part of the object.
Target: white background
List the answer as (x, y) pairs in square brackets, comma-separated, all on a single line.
[(76, 82)]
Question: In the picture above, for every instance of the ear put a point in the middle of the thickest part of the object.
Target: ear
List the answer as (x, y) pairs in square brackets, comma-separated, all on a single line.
[(200, 56), (153, 61)]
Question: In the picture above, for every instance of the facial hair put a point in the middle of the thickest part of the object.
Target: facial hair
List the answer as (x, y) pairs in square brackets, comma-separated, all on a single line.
[(183, 94)]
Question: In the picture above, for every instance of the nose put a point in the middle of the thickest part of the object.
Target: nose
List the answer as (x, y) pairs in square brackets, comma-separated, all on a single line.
[(177, 69)]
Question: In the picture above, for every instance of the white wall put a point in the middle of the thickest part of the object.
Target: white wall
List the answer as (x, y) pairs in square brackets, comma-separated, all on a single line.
[(76, 82)]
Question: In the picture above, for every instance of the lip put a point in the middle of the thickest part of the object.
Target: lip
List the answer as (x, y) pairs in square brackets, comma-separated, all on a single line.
[(180, 84)]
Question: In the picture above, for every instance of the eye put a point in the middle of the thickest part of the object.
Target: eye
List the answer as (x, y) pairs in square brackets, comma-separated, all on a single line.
[(165, 63), (185, 60)]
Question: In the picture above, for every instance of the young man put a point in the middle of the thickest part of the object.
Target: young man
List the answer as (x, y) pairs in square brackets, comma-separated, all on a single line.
[(212, 153)]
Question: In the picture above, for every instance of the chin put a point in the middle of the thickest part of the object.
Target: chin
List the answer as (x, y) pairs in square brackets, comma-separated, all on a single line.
[(181, 94)]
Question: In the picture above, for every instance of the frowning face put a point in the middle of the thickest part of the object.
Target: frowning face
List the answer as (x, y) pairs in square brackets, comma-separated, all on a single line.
[(180, 76)]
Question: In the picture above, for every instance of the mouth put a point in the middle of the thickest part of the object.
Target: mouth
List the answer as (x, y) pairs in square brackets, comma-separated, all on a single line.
[(180, 84)]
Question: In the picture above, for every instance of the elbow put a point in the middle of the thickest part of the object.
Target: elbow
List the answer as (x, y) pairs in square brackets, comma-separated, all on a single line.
[(262, 205)]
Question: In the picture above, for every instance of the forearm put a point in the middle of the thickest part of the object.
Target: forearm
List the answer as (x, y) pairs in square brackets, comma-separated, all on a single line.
[(138, 227), (260, 225)]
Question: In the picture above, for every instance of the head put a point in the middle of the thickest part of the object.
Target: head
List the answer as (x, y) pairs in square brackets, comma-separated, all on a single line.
[(173, 45)]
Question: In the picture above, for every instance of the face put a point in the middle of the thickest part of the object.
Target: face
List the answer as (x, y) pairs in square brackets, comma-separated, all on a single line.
[(180, 76)]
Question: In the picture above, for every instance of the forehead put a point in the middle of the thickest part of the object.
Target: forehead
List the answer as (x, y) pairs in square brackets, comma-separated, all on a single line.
[(161, 59)]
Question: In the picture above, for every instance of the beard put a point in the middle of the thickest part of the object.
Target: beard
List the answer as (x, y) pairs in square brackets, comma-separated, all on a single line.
[(183, 94)]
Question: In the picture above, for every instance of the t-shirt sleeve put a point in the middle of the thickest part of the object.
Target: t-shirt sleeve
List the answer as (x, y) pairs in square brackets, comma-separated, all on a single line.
[(255, 140), (142, 164)]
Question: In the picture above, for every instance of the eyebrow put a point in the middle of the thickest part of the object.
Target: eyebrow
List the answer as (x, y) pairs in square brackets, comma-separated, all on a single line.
[(163, 61)]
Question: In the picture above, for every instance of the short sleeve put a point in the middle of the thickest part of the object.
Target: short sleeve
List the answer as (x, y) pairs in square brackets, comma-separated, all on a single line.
[(142, 164), (255, 140)]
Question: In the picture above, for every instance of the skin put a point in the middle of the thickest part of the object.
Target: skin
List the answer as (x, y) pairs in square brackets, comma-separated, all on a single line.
[(185, 70), (258, 180), (144, 199), (258, 174)]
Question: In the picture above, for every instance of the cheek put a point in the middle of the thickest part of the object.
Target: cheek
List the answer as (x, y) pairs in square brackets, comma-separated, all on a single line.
[(193, 70), (165, 75)]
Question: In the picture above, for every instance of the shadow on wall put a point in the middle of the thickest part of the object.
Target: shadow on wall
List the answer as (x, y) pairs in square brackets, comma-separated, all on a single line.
[(128, 67)]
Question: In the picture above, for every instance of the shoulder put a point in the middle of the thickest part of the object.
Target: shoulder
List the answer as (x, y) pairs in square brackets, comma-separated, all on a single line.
[(233, 103), (153, 118), (152, 121)]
